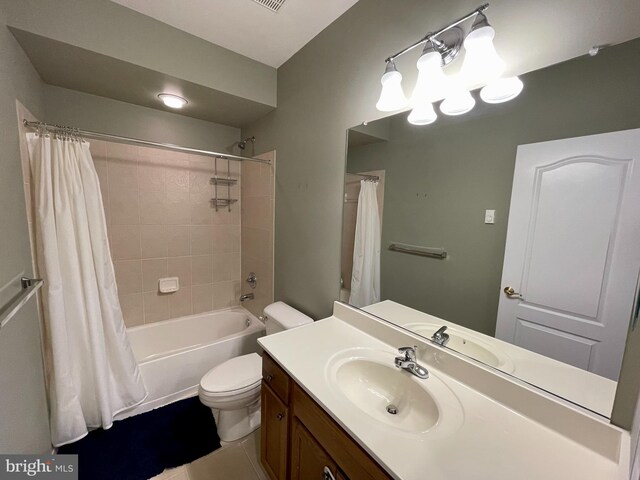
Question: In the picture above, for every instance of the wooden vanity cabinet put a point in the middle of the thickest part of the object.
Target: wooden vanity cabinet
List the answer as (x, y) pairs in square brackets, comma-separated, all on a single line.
[(300, 441)]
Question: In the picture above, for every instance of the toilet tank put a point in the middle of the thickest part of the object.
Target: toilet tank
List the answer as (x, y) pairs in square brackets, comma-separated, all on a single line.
[(279, 316)]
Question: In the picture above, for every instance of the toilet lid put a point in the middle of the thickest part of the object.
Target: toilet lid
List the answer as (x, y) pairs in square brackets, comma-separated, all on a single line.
[(234, 374)]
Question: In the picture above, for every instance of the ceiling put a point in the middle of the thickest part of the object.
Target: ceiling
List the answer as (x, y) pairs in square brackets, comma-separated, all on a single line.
[(245, 27)]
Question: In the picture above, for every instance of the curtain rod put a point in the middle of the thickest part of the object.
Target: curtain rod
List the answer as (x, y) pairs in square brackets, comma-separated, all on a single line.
[(168, 146)]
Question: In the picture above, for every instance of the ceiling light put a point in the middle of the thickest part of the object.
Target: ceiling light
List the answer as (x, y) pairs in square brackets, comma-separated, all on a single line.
[(172, 101), (392, 97), (481, 61), (502, 90)]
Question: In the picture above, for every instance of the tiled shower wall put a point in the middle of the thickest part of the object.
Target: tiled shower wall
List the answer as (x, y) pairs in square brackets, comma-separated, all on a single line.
[(257, 230), (161, 223)]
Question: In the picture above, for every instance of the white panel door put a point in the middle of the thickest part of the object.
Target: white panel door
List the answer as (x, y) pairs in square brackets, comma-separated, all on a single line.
[(572, 254)]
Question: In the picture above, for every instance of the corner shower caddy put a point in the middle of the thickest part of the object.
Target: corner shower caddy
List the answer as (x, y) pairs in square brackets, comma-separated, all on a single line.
[(228, 182)]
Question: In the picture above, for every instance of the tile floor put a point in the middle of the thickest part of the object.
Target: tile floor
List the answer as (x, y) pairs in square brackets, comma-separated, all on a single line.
[(238, 461)]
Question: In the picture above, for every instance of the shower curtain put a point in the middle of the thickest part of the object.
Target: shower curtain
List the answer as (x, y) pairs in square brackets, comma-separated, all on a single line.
[(365, 279), (91, 371)]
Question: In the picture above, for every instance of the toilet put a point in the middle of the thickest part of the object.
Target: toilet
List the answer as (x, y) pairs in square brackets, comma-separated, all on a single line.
[(232, 389)]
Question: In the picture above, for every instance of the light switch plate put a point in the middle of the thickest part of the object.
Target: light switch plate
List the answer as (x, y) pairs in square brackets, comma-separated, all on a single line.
[(490, 216)]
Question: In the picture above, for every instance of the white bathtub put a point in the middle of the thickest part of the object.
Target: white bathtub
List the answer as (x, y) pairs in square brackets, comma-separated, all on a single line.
[(174, 355)]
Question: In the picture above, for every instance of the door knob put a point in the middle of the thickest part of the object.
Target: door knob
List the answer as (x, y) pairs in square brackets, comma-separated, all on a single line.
[(511, 293)]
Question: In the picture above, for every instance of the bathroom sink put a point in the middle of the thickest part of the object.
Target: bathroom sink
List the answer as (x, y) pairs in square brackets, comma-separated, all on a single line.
[(368, 380), (467, 344)]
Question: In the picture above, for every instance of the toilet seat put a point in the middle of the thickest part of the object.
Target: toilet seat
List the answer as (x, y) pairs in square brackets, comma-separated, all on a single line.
[(235, 376)]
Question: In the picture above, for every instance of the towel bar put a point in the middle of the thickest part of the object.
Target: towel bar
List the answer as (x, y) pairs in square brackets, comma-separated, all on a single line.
[(29, 287), (416, 250)]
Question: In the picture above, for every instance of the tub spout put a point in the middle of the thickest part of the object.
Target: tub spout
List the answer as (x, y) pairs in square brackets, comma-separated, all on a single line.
[(248, 296)]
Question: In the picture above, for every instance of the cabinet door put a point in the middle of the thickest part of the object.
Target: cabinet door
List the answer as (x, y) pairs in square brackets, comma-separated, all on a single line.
[(273, 450), (308, 459)]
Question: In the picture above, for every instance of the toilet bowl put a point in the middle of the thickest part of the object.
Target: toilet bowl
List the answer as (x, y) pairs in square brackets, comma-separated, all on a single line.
[(232, 389)]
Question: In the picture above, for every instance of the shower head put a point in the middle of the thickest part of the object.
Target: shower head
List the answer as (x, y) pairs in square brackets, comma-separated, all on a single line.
[(243, 143)]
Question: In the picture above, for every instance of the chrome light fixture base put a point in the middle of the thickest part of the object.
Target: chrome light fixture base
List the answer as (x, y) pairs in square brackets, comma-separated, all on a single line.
[(448, 44)]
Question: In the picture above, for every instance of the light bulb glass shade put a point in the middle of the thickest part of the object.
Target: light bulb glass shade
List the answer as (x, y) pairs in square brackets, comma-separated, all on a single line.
[(502, 90), (423, 114), (481, 61), (172, 101), (458, 102), (392, 97), (432, 82)]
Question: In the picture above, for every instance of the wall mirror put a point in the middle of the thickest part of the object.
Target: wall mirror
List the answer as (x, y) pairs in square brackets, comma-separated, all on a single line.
[(515, 226)]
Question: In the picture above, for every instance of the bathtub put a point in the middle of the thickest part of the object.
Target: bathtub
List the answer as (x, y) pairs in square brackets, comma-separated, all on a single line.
[(174, 355)]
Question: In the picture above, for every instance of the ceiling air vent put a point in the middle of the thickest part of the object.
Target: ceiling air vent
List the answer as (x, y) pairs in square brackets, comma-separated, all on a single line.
[(273, 5)]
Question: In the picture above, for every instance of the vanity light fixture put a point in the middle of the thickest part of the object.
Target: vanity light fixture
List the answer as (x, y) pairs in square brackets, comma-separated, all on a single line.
[(458, 102), (501, 90), (430, 86), (432, 82), (392, 97), (481, 61), (423, 114), (172, 101), (482, 66)]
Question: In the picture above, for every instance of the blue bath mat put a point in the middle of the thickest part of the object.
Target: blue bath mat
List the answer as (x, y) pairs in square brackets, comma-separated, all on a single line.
[(140, 447)]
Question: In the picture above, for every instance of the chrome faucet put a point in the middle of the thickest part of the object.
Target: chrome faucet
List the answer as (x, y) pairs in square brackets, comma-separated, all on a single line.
[(440, 337), (252, 280), (248, 296), (409, 363)]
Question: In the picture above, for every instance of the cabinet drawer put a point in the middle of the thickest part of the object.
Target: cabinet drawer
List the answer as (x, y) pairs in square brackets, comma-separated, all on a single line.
[(274, 376)]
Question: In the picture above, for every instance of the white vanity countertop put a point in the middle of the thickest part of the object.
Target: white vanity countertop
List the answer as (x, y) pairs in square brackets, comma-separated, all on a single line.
[(492, 441)]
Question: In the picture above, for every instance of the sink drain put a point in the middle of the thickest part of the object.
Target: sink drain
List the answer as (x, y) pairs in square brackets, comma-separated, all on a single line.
[(392, 409)]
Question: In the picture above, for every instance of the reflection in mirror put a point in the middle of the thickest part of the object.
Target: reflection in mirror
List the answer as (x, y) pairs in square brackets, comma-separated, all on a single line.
[(514, 226)]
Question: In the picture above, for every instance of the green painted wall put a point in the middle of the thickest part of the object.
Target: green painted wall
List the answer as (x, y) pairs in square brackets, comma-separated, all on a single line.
[(332, 84), (441, 178), (25, 427)]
